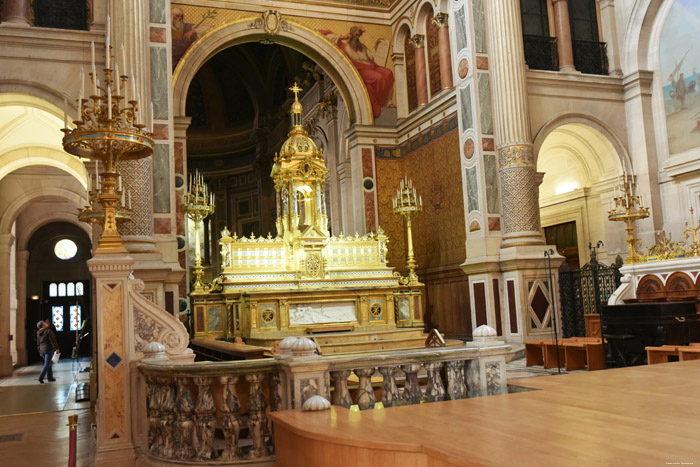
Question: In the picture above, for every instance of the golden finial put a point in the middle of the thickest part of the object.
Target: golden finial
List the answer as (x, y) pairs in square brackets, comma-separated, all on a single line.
[(296, 90)]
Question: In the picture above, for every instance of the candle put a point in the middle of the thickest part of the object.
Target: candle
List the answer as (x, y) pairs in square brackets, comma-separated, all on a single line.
[(109, 102), (82, 85), (121, 46), (151, 106), (123, 204), (116, 76), (129, 193), (92, 48), (120, 183), (138, 98), (65, 113)]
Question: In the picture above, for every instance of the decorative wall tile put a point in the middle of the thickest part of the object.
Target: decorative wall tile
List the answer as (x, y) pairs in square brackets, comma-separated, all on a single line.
[(161, 179), (485, 113), (461, 38), (465, 107), (159, 82), (491, 181), (158, 35), (479, 19), (472, 190), (157, 11)]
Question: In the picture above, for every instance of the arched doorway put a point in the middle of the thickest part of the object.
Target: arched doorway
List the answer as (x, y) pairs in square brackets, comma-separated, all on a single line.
[(580, 166)]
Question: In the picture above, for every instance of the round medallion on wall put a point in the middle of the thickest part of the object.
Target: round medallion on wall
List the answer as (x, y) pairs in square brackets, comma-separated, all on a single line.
[(313, 264), (376, 310), (179, 181), (463, 68), (368, 184), (469, 148), (268, 315)]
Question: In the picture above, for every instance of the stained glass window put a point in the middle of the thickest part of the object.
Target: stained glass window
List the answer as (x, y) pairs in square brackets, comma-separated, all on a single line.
[(65, 249), (78, 288), (57, 317), (75, 317), (53, 290), (70, 290), (62, 289)]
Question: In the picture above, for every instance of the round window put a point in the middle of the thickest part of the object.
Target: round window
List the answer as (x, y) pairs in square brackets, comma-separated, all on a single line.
[(65, 249)]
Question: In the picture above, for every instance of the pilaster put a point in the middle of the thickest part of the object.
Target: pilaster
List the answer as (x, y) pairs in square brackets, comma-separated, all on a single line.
[(6, 243), (418, 43), (609, 26), (440, 20), (114, 438), (20, 337)]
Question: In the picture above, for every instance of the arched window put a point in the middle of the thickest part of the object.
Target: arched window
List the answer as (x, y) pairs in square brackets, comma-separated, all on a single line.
[(62, 289), (61, 14), (79, 288), (75, 317), (70, 289), (57, 317), (53, 290)]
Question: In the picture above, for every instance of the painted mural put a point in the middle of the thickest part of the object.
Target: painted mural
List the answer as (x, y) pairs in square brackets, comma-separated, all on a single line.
[(366, 45), (679, 56), (369, 61)]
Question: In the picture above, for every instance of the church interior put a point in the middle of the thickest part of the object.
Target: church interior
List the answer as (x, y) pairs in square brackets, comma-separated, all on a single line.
[(350, 232)]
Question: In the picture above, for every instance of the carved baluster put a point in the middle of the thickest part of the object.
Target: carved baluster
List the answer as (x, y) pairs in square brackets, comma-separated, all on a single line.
[(365, 393), (205, 411), (231, 422), (184, 426), (167, 419), (411, 390), (257, 421), (436, 390), (390, 393), (276, 392), (456, 383), (341, 395)]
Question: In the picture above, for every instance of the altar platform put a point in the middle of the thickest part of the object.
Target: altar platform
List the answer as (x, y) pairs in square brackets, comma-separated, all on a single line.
[(645, 415)]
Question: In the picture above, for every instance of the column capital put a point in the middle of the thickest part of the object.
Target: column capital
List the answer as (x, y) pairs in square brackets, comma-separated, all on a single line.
[(181, 124), (606, 3), (440, 20), (418, 41), (6, 241), (516, 155)]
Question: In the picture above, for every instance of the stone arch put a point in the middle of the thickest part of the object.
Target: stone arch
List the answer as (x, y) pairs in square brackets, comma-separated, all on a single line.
[(12, 210), (38, 155), (642, 28), (293, 35), (679, 285), (70, 218), (421, 15), (650, 288), (593, 122), (36, 95), (402, 31)]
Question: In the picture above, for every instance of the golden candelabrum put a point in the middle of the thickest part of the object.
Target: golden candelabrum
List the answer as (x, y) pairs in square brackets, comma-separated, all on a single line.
[(110, 129), (628, 208), (692, 230), (198, 205), (407, 204)]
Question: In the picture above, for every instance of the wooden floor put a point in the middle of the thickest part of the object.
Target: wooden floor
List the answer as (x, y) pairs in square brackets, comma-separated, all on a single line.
[(638, 416)]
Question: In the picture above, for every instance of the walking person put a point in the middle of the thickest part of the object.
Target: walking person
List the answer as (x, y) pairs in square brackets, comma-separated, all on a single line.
[(47, 345)]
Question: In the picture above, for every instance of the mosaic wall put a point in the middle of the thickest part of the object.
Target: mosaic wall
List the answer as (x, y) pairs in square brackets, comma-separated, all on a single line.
[(431, 160)]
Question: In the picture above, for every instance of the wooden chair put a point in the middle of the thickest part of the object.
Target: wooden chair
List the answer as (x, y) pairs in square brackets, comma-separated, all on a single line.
[(660, 354)]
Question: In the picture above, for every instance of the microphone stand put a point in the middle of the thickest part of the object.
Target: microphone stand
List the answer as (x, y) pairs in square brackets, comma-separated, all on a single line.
[(548, 254)]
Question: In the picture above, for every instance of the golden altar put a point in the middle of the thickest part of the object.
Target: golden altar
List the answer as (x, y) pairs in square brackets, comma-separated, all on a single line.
[(273, 287)]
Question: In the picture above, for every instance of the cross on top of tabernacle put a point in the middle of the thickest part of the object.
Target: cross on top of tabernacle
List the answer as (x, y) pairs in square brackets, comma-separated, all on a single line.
[(296, 90)]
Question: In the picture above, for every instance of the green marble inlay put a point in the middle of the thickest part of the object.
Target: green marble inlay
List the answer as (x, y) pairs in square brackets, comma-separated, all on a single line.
[(472, 190), (161, 179), (159, 82), (465, 98), (485, 111), (158, 11), (491, 176), (479, 26)]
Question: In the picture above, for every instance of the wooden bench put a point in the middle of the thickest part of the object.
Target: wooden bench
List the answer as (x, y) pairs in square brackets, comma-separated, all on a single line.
[(533, 353), (660, 354), (549, 349), (691, 352), (584, 353)]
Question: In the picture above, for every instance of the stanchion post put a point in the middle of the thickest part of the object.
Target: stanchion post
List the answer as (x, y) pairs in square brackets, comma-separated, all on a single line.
[(73, 427)]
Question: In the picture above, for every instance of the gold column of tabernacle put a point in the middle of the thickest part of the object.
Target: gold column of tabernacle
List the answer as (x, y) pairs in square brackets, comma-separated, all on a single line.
[(517, 171), (407, 203), (628, 208), (198, 205), (110, 129)]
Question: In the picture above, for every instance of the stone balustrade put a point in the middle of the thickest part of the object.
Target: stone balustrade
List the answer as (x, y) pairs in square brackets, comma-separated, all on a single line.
[(216, 412)]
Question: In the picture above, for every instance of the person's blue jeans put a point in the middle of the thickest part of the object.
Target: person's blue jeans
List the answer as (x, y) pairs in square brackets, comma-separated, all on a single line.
[(47, 370)]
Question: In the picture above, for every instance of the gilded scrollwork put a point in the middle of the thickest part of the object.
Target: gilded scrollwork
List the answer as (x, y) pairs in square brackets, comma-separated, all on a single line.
[(516, 155)]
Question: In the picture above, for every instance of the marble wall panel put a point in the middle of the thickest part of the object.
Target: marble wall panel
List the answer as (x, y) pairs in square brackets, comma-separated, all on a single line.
[(157, 11), (161, 179), (461, 38), (479, 20), (491, 180), (465, 107), (159, 82), (472, 190), (485, 109)]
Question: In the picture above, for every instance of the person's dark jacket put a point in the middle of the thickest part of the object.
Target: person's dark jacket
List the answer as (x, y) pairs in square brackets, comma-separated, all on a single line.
[(46, 340)]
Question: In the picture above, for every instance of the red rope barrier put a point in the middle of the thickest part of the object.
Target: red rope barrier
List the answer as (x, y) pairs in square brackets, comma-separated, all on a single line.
[(73, 424)]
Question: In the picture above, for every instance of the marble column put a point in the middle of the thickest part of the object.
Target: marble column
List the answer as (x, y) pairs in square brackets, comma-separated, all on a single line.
[(562, 28), (6, 242), (20, 338), (418, 42), (114, 445), (520, 191), (609, 26), (400, 84), (17, 12), (440, 20)]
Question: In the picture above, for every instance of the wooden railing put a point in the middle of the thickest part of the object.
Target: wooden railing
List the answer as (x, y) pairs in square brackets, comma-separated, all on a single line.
[(187, 403)]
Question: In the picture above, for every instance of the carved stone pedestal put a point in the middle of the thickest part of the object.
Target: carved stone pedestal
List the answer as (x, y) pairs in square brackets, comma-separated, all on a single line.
[(486, 375)]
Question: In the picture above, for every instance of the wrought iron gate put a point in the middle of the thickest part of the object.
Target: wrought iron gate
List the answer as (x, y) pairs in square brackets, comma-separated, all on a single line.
[(583, 291)]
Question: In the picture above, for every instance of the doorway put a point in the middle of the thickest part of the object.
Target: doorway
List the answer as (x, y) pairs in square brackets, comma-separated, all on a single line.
[(565, 238)]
